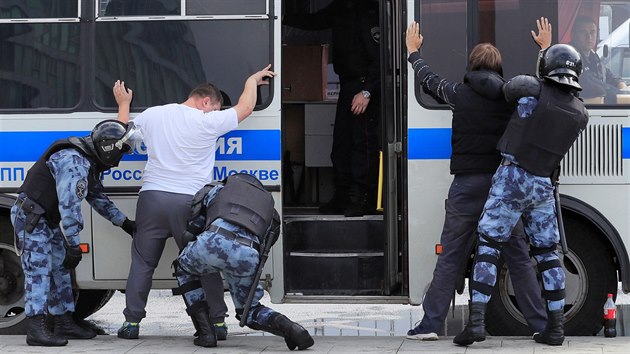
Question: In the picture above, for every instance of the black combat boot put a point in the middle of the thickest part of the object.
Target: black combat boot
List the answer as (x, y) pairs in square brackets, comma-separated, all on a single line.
[(64, 326), (554, 332), (475, 330), (295, 336), (207, 337), (39, 334)]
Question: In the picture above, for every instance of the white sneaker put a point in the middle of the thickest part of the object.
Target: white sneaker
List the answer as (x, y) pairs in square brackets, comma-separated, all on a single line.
[(422, 336)]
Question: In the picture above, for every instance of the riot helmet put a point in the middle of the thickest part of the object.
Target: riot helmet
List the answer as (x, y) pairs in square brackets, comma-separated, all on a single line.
[(561, 63), (112, 139)]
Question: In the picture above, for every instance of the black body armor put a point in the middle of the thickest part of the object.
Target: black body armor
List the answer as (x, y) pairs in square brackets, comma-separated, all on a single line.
[(242, 203), (539, 142)]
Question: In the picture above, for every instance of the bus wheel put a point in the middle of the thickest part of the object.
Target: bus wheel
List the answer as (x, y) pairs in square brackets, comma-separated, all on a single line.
[(590, 275), (88, 301), (12, 318)]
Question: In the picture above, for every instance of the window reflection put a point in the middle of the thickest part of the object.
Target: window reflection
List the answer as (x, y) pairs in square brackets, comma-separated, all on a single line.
[(163, 60), (21, 9), (39, 65)]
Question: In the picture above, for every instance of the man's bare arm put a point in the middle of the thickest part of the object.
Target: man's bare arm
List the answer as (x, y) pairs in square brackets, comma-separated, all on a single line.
[(247, 101), (123, 97)]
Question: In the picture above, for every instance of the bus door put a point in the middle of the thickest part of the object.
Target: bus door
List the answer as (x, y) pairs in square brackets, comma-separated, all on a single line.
[(331, 256)]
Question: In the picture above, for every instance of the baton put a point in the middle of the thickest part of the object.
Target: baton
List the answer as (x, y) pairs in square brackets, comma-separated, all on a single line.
[(556, 195), (252, 291)]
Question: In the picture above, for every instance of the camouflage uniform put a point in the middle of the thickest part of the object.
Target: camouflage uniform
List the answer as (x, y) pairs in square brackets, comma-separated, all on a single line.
[(516, 193), (48, 287), (213, 252)]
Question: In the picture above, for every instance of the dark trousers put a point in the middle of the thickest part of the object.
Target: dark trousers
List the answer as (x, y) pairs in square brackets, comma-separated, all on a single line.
[(355, 141), (160, 215), (466, 198)]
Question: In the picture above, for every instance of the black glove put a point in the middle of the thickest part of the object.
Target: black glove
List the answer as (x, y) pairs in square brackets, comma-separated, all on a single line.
[(129, 226), (73, 257)]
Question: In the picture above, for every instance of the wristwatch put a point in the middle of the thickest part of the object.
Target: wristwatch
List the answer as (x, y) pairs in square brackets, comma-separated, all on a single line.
[(366, 94)]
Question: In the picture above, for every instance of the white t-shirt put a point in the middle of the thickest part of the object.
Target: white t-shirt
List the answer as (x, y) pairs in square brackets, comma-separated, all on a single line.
[(181, 143)]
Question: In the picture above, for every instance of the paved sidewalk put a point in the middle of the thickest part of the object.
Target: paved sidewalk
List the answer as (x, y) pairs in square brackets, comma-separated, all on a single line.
[(345, 344)]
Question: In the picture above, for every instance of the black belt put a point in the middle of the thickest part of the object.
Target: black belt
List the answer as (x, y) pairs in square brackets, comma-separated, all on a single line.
[(233, 236), (29, 205)]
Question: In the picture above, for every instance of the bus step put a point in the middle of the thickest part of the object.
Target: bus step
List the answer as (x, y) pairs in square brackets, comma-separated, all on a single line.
[(334, 255)]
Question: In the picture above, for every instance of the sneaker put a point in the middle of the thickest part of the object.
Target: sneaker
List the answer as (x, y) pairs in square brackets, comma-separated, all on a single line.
[(221, 330), (418, 333), (129, 330)]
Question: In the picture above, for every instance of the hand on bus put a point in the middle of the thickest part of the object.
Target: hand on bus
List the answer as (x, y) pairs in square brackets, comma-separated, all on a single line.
[(262, 77), (543, 38), (122, 94), (414, 38)]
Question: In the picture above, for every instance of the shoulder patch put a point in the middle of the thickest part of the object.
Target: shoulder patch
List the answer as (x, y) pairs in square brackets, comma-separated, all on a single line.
[(81, 190)]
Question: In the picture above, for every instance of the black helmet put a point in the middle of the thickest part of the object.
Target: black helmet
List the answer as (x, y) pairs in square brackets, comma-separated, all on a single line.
[(112, 139), (562, 64)]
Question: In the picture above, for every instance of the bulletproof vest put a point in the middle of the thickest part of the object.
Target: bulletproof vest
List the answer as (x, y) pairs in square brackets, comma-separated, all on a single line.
[(243, 204), (479, 119), (540, 141), (40, 185)]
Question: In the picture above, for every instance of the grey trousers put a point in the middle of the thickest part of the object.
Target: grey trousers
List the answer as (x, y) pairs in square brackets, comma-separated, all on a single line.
[(160, 215)]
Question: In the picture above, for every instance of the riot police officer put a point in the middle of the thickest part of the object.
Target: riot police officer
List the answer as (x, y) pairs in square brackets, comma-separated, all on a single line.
[(548, 119), (238, 216), (47, 220)]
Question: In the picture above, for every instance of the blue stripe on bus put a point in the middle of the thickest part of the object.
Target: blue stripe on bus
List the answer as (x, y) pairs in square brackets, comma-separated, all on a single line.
[(435, 143), (429, 144), (625, 143), (239, 145)]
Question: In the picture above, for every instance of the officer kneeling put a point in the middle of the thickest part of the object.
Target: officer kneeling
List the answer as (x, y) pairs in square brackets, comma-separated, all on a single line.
[(47, 220), (232, 227)]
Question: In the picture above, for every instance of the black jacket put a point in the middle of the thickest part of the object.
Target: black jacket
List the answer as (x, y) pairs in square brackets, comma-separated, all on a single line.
[(480, 116)]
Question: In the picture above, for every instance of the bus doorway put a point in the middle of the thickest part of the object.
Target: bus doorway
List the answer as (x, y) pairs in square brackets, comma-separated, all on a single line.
[(329, 253)]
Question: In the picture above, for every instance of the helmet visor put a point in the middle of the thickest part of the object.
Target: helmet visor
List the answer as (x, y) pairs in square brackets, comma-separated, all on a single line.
[(128, 141)]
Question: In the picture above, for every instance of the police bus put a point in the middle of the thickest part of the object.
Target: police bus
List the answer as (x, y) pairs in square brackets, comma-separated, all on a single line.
[(60, 58)]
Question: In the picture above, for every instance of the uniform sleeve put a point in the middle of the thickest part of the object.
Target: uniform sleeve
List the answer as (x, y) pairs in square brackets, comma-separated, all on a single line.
[(369, 23), (70, 171), (212, 194), (102, 204), (441, 89)]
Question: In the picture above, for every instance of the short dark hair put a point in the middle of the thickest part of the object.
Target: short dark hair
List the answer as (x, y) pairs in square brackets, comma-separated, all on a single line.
[(485, 56), (207, 90)]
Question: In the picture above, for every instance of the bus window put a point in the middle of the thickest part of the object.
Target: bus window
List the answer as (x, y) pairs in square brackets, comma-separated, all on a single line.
[(163, 60), (444, 47), (139, 8), (226, 7), (599, 31), (39, 9), (40, 66)]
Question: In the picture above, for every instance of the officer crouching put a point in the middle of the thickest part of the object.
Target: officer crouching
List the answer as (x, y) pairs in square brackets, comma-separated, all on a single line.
[(47, 220), (236, 225)]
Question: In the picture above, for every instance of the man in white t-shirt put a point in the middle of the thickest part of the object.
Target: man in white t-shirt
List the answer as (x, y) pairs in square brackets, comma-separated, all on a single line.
[(181, 143)]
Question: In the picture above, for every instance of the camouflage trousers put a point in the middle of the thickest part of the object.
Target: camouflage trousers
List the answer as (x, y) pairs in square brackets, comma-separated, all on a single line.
[(213, 252), (516, 192), (47, 284)]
